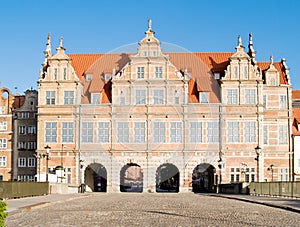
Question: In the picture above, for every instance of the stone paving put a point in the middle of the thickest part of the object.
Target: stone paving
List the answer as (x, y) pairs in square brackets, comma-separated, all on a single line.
[(159, 209)]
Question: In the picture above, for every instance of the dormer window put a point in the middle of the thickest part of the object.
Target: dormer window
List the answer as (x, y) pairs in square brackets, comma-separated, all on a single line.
[(217, 76), (107, 76), (272, 82), (65, 73), (55, 74), (158, 72), (88, 77), (96, 98), (245, 72), (204, 97)]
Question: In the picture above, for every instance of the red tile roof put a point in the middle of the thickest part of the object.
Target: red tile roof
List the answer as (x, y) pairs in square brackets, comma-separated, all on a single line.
[(296, 115), (296, 94)]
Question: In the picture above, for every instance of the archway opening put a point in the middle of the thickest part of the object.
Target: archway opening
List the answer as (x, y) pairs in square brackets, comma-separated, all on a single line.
[(203, 178), (96, 177), (131, 178), (167, 178)]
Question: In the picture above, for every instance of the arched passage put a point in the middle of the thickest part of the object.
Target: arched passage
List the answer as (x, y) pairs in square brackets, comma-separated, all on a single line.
[(96, 177), (203, 178), (131, 178), (167, 178)]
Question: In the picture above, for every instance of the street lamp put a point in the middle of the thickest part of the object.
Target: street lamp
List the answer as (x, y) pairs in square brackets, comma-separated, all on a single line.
[(48, 151), (258, 153), (272, 170)]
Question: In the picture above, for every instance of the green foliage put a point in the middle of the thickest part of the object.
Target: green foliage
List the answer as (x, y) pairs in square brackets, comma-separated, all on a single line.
[(3, 214)]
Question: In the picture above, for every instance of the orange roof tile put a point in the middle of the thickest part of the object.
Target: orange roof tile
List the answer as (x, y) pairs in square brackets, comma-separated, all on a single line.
[(296, 94), (265, 65)]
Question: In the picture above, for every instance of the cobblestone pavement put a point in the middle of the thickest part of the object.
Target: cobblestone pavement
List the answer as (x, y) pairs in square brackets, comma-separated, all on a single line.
[(160, 209)]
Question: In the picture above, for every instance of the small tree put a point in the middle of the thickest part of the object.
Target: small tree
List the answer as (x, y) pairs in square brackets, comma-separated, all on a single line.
[(3, 214)]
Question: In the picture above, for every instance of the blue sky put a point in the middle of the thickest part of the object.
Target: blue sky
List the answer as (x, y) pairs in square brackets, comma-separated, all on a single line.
[(92, 26)]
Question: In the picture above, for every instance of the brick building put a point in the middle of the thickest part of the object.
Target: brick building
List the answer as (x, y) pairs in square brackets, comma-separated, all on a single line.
[(177, 121)]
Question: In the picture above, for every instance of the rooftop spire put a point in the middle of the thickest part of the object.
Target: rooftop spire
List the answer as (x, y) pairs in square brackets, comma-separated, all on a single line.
[(271, 60), (251, 51), (47, 52), (149, 32), (239, 41), (149, 24), (240, 46), (60, 48)]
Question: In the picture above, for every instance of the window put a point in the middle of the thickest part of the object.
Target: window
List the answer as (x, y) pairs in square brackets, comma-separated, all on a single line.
[(250, 96), (217, 76), (283, 174), (123, 132), (69, 175), (88, 77), (31, 162), (176, 132), (25, 115), (235, 72), (3, 125), (283, 134), (250, 175), (87, 132), (212, 132), (122, 99), (265, 101), (140, 72), (232, 132), (3, 143), (31, 145), (55, 74), (232, 96), (95, 98), (235, 175), (139, 132), (204, 97), (2, 109), (69, 97), (158, 96), (266, 134), (158, 72), (21, 145), (50, 97), (272, 82), (67, 132), (51, 132), (65, 73), (140, 96), (103, 132), (107, 76), (245, 72), (31, 129), (22, 130), (30, 178), (21, 162), (159, 132), (2, 161), (249, 132), (195, 132), (283, 103)]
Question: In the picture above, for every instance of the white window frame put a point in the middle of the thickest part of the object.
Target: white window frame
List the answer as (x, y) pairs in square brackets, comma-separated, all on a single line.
[(282, 102), (250, 96), (140, 96), (245, 71), (175, 132), (250, 131), (50, 97), (22, 129), (68, 97), (195, 132), (232, 96), (3, 125), (31, 145), (22, 145), (159, 132), (103, 132), (266, 134), (31, 129), (158, 96), (87, 132), (67, 132), (204, 97), (51, 132), (140, 72), (123, 132), (3, 160), (31, 162), (21, 162), (282, 134), (158, 72), (139, 132), (96, 98), (212, 132), (233, 132), (3, 143), (283, 174)]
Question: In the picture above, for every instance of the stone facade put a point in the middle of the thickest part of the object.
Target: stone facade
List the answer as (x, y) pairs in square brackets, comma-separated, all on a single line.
[(175, 121)]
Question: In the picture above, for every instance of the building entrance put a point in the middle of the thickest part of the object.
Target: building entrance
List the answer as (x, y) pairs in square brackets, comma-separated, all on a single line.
[(203, 178), (131, 178), (167, 178), (96, 177)]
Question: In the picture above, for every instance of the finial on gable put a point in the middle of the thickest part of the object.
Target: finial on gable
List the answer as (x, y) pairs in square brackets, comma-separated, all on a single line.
[(60, 42), (251, 51), (239, 41), (271, 60), (149, 24)]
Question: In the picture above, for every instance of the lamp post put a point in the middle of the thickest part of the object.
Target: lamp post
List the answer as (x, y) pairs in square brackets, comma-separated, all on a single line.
[(272, 170), (48, 151), (258, 153)]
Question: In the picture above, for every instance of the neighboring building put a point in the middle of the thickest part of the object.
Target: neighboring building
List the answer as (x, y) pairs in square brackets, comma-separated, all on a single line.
[(296, 135), (24, 137), (157, 121), (6, 132)]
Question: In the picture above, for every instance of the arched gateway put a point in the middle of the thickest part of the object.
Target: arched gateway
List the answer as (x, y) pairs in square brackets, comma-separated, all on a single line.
[(131, 178), (203, 178), (96, 177), (167, 178)]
